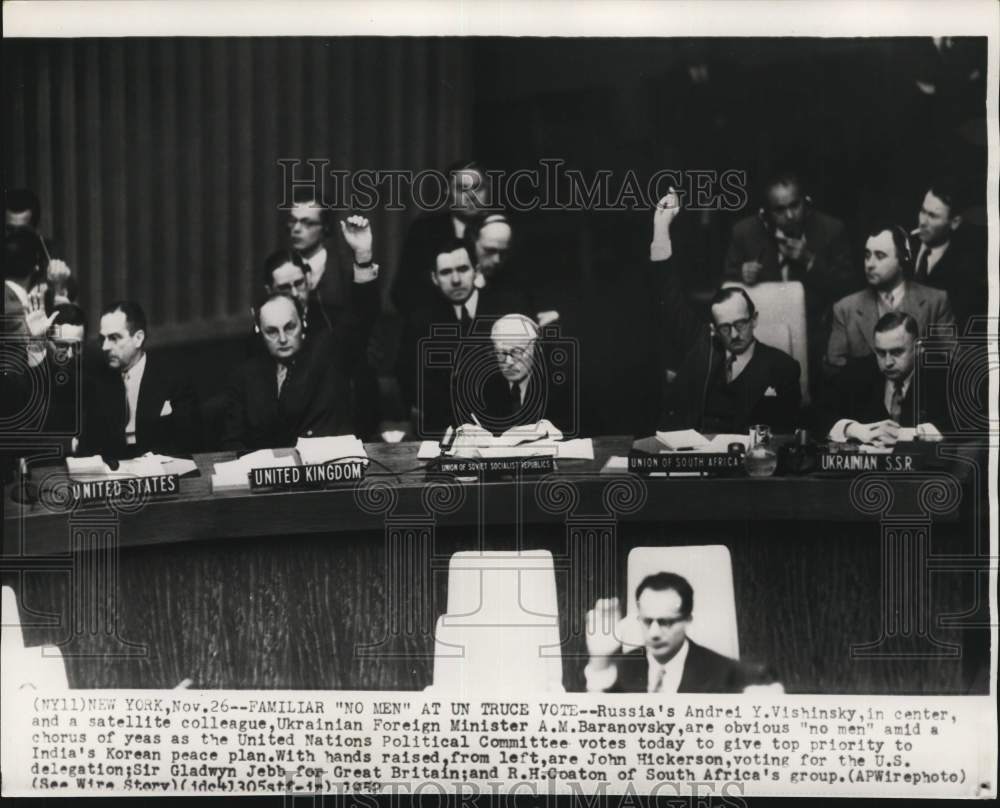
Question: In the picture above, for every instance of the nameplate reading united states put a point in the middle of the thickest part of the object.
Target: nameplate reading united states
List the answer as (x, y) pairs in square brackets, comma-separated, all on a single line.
[(292, 478), (127, 489)]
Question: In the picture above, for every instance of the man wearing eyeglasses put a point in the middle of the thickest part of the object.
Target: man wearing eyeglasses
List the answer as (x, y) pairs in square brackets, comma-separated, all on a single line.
[(669, 661), (728, 380)]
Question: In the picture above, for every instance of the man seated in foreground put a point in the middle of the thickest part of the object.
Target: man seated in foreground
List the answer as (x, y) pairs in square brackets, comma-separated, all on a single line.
[(877, 395), (669, 662)]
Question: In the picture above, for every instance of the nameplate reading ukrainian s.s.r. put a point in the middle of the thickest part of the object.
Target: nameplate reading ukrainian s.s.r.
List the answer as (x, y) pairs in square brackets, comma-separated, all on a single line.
[(495, 467), (706, 462), (292, 478), (159, 486), (852, 463)]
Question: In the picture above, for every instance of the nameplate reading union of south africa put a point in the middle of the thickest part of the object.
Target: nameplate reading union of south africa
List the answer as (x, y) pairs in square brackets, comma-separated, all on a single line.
[(496, 467), (293, 478), (125, 489), (709, 463)]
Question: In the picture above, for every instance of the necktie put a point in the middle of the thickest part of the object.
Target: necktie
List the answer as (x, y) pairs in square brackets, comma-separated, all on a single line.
[(730, 361), (922, 266), (282, 377), (514, 398), (658, 679), (465, 320), (896, 404)]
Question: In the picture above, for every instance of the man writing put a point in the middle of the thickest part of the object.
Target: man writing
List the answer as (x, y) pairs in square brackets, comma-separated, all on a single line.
[(669, 661), (728, 380)]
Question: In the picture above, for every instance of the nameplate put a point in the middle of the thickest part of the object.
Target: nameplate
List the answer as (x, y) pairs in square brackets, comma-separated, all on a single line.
[(707, 463), (851, 463), (125, 489), (496, 467), (295, 478)]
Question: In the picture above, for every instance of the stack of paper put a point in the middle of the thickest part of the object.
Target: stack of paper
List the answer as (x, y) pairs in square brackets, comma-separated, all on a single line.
[(682, 440), (149, 465), (234, 474), (314, 451), (927, 432)]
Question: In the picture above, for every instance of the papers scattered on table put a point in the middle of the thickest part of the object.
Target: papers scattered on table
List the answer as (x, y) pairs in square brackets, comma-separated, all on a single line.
[(616, 464), (232, 474), (867, 448), (682, 439), (314, 451), (149, 465), (579, 449), (690, 440), (535, 440)]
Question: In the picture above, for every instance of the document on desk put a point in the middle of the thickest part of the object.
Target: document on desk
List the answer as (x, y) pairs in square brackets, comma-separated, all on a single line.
[(232, 475), (313, 451), (148, 465), (682, 439)]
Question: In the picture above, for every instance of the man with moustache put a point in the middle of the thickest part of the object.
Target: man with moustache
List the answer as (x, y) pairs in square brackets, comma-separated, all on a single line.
[(887, 264)]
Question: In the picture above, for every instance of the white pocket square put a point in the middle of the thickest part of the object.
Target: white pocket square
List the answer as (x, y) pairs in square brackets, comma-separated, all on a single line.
[(770, 392), (167, 409)]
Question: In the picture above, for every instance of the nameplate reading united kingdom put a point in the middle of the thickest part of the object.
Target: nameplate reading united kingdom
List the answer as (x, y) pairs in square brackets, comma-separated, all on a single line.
[(125, 489), (496, 467), (293, 478), (708, 463)]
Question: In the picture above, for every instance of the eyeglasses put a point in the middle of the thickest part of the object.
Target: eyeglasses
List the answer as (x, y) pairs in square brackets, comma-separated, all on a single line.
[(514, 354), (662, 622), (740, 325)]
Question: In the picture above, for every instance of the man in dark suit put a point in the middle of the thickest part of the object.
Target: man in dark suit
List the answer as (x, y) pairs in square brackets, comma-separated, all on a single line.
[(887, 265), (468, 196), (949, 255), (293, 389), (138, 402), (344, 290), (23, 212), (728, 380), (876, 395), (790, 240), (669, 662), (522, 389), (448, 340)]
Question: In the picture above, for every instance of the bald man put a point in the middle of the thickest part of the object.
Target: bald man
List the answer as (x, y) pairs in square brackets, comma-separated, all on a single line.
[(524, 387)]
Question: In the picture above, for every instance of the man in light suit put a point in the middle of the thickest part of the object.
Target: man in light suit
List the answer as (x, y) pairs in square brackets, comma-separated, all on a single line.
[(669, 662), (887, 263), (137, 403)]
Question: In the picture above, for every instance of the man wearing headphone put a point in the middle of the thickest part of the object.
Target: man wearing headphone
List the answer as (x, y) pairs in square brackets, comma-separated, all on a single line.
[(790, 240), (888, 266), (295, 388)]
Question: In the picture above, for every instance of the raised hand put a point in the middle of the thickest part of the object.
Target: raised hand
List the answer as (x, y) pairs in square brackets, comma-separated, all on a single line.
[(357, 232), (37, 321), (57, 272), (602, 630)]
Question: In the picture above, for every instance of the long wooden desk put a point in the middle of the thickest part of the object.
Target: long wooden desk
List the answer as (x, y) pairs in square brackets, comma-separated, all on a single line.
[(340, 588)]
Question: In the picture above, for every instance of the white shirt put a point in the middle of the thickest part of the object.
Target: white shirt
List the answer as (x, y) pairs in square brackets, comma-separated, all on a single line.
[(934, 254), (470, 306), (669, 680), (839, 431), (890, 301), (133, 379), (740, 361)]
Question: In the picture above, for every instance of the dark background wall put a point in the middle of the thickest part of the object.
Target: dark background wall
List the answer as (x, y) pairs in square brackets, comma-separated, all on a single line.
[(156, 160)]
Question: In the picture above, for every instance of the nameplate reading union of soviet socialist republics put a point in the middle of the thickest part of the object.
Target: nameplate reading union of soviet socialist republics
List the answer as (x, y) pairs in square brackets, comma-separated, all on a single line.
[(293, 478), (496, 467), (125, 489)]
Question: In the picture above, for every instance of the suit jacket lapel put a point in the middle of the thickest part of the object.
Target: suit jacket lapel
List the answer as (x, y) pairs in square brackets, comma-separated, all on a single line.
[(867, 312), (915, 304)]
